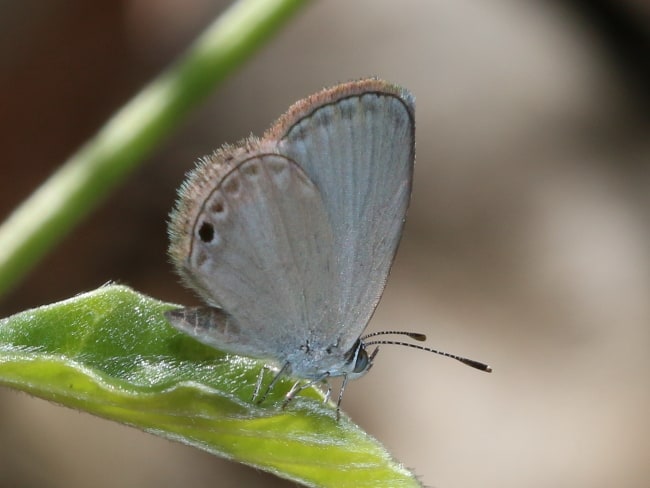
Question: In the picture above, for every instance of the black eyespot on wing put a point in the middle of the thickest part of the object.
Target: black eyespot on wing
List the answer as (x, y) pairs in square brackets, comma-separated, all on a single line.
[(206, 232)]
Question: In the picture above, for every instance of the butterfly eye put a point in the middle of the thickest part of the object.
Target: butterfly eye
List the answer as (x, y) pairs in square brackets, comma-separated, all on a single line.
[(358, 355), (362, 362)]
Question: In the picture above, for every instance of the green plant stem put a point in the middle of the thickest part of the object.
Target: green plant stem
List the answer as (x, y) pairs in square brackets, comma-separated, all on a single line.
[(129, 136)]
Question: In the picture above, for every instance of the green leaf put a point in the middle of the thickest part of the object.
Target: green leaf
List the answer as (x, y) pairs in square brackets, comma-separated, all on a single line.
[(111, 352)]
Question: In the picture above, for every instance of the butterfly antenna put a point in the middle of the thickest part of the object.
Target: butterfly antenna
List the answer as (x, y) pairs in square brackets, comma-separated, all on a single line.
[(413, 335), (420, 337)]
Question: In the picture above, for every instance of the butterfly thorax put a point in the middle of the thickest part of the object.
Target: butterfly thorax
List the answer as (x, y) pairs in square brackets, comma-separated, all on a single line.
[(313, 362)]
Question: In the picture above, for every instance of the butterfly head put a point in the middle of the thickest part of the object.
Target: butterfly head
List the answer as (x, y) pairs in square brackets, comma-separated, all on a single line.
[(358, 361)]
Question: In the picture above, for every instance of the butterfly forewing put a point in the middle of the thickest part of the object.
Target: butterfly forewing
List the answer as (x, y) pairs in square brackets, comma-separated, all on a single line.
[(358, 147)]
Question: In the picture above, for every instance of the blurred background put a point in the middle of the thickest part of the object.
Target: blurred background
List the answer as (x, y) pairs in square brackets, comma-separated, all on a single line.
[(527, 244)]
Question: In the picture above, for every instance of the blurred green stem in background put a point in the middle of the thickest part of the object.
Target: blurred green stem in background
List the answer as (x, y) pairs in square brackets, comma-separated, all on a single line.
[(132, 133)]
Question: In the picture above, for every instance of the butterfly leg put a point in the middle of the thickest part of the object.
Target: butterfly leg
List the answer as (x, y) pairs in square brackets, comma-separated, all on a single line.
[(295, 389), (338, 403), (282, 371), (298, 387), (328, 393), (258, 384), (345, 382)]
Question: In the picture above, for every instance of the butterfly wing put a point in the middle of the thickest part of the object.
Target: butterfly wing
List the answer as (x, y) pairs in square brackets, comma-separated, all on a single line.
[(356, 143), (259, 245), (294, 235)]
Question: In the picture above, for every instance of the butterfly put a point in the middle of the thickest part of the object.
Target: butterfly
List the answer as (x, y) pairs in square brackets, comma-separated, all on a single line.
[(289, 238)]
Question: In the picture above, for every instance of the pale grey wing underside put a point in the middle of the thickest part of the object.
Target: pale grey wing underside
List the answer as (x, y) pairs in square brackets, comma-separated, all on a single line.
[(359, 151), (262, 250)]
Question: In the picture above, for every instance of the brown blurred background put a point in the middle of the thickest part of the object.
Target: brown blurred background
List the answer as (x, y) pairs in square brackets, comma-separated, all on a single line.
[(527, 244)]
